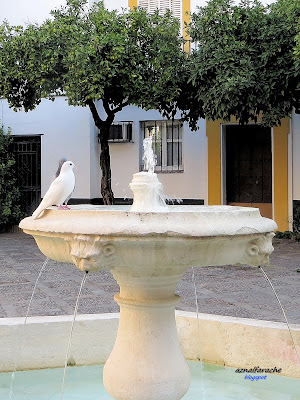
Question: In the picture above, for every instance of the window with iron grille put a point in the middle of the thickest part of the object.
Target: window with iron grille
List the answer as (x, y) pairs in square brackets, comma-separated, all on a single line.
[(167, 144)]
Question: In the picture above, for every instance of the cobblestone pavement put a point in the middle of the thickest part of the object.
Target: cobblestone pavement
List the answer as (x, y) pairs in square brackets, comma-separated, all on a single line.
[(228, 290)]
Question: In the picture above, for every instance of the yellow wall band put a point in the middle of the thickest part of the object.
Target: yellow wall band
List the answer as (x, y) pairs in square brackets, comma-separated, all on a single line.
[(213, 132), (132, 3), (186, 9), (280, 171)]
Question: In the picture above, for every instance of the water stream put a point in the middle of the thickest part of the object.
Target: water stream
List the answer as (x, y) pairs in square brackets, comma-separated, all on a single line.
[(282, 309), (198, 329), (71, 334), (148, 156), (17, 355)]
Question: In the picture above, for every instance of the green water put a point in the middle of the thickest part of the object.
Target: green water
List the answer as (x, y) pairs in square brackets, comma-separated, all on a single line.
[(85, 383)]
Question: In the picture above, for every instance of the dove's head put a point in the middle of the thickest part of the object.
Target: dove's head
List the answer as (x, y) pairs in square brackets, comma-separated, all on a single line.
[(67, 166)]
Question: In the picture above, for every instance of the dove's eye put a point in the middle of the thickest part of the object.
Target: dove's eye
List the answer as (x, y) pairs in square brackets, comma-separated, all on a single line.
[(70, 163)]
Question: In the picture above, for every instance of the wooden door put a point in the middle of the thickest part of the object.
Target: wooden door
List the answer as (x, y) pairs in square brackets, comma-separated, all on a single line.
[(249, 167)]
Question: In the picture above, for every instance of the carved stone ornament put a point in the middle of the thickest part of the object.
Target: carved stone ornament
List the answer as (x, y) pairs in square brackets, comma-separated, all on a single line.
[(91, 252), (259, 249)]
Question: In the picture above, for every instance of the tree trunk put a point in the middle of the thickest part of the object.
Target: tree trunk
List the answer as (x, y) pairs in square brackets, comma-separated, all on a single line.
[(106, 190), (103, 126)]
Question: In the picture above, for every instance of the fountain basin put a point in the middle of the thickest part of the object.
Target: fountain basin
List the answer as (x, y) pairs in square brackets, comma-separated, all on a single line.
[(95, 237), (147, 253), (220, 340)]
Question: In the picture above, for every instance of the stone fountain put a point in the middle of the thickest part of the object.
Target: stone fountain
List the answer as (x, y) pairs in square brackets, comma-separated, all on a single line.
[(147, 248)]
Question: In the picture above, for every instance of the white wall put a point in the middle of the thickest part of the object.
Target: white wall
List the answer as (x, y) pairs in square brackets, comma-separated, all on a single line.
[(125, 159), (25, 11), (66, 133), (70, 132), (36, 11)]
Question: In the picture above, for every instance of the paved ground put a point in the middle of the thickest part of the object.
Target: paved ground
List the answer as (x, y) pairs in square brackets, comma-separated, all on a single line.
[(236, 291)]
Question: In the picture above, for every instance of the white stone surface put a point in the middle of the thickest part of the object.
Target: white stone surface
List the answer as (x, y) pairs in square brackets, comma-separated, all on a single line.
[(147, 252), (42, 342), (229, 341)]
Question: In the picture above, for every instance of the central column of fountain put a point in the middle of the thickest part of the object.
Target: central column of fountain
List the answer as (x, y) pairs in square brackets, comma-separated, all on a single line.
[(147, 362)]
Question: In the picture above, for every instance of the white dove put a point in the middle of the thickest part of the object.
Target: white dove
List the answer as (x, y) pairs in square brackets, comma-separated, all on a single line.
[(59, 189)]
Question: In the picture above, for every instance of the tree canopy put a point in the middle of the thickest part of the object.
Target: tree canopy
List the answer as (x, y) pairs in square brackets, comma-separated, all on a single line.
[(91, 54), (244, 62)]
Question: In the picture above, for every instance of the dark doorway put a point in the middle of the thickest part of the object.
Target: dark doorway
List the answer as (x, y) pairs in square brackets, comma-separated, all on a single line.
[(249, 167), (27, 152)]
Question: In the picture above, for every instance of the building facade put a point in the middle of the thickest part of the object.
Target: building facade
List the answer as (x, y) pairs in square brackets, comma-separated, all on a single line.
[(220, 163)]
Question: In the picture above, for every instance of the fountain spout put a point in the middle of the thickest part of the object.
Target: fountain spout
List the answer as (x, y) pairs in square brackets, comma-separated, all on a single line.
[(147, 190)]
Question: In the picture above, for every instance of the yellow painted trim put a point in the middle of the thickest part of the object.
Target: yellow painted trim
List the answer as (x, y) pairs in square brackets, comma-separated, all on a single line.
[(132, 3), (186, 9), (280, 172), (213, 133), (280, 169)]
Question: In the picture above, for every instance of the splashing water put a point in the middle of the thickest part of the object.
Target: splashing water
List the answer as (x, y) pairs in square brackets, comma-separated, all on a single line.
[(71, 334), (25, 321), (282, 309), (149, 158), (198, 329), (147, 189)]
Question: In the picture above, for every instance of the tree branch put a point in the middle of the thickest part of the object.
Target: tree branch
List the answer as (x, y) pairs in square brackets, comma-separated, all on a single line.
[(98, 121), (120, 107), (106, 107)]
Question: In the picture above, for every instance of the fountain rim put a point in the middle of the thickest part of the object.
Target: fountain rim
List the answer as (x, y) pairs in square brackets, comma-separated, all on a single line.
[(178, 220)]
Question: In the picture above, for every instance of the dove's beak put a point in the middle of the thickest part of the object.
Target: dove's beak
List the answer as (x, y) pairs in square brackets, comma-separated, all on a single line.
[(75, 166)]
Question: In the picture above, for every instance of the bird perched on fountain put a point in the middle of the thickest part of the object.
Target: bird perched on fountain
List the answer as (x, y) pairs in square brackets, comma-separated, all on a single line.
[(59, 190), (60, 164)]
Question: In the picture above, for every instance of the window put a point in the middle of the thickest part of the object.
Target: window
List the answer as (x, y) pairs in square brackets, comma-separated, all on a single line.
[(175, 6), (167, 144)]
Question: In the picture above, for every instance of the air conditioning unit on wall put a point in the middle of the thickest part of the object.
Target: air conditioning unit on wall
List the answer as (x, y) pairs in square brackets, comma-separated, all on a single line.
[(120, 132)]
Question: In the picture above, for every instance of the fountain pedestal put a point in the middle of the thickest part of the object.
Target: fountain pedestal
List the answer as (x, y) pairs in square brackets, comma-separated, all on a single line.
[(147, 252), (146, 362)]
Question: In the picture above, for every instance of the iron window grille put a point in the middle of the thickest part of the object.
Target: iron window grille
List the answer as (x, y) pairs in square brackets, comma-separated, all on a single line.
[(167, 144)]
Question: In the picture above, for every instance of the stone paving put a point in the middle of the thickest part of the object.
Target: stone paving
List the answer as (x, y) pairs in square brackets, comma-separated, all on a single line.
[(238, 291)]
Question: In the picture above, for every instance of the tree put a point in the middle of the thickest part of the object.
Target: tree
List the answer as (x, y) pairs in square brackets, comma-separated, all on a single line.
[(121, 58), (290, 11), (243, 64), (10, 212)]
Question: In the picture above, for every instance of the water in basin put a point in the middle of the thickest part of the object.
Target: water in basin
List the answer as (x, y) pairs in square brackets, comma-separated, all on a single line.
[(85, 383)]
